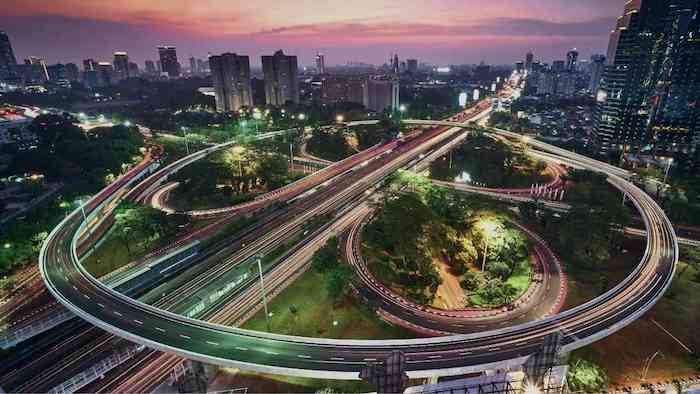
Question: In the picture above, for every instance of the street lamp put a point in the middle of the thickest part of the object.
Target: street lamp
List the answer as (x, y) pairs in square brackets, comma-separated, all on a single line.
[(301, 117), (340, 118), (668, 168), (127, 124), (184, 135), (257, 116)]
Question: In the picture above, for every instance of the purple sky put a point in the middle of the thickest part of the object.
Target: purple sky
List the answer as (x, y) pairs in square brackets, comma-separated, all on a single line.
[(435, 31)]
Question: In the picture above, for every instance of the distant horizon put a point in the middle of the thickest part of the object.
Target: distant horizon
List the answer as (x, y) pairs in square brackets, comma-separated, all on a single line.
[(441, 32)]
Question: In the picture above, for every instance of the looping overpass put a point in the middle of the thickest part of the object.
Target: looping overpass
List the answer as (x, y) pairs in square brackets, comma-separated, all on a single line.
[(83, 294)]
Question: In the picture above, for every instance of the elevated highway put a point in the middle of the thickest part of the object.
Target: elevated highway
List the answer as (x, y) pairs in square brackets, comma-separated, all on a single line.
[(87, 297)]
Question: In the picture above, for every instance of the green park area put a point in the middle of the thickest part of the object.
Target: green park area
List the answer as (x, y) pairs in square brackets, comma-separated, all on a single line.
[(490, 162), (655, 348), (231, 176), (439, 247), (318, 304)]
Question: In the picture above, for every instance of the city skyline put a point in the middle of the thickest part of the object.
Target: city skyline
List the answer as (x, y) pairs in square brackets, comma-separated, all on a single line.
[(368, 32)]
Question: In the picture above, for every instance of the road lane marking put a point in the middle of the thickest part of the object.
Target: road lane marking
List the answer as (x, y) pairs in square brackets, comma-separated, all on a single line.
[(337, 359), (117, 313), (185, 336), (303, 356), (435, 356), (138, 321), (100, 305), (465, 353), (270, 352), (241, 348), (212, 343), (159, 329), (86, 296), (369, 359)]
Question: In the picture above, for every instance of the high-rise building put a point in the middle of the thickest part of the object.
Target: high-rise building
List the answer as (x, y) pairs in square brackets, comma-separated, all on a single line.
[(150, 67), (89, 65), (8, 62), (133, 70), (395, 64), (202, 65), (37, 69), (320, 63), (650, 90), (571, 60), (121, 65), (56, 72), (519, 67), (168, 60), (72, 72), (193, 66), (159, 67), (281, 83), (231, 76), (596, 72), (529, 58), (335, 89), (412, 65), (104, 73), (381, 94)]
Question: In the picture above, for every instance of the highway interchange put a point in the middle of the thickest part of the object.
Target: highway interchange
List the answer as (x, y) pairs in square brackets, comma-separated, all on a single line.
[(218, 344)]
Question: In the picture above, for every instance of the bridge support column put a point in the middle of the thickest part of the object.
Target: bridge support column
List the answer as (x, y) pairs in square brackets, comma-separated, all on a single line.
[(388, 376)]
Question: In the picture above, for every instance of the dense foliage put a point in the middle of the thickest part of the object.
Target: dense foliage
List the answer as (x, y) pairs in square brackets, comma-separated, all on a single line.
[(586, 376), (488, 161), (329, 144)]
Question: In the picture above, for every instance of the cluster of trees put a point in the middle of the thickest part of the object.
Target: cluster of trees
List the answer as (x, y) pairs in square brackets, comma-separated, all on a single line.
[(418, 222), (339, 276), (232, 176), (329, 144), (145, 226), (588, 233), (587, 376), (66, 151), (498, 164)]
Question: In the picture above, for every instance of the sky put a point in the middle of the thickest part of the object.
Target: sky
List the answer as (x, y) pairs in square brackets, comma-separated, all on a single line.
[(439, 32)]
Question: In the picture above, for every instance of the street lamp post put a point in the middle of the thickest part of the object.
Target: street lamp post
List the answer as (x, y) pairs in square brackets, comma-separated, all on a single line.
[(668, 168), (184, 135), (262, 290)]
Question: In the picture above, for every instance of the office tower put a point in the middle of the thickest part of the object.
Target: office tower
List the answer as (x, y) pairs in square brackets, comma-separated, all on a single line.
[(72, 72), (150, 67), (193, 66), (159, 67), (381, 94), (336, 89), (320, 63), (571, 60), (202, 66), (104, 73), (89, 65), (133, 70), (168, 60), (648, 96), (395, 64), (121, 65), (482, 72), (558, 66), (412, 66), (36, 69), (8, 62), (529, 58), (231, 76), (281, 84), (56, 72), (596, 72)]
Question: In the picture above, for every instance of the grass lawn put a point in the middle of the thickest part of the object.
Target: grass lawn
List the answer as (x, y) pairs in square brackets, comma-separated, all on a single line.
[(316, 312), (521, 279), (624, 353), (111, 255)]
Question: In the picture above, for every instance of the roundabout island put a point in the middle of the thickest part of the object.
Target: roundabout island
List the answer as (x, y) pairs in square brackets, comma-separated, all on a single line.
[(344, 192)]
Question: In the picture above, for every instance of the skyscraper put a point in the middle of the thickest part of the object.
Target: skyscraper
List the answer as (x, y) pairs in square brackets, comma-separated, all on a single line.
[(231, 76), (320, 63), (121, 65), (649, 93), (104, 73), (281, 84), (558, 66), (193, 65), (412, 66), (168, 60), (571, 60), (150, 67), (529, 58), (596, 72), (8, 62), (72, 72), (89, 65), (38, 69), (395, 64)]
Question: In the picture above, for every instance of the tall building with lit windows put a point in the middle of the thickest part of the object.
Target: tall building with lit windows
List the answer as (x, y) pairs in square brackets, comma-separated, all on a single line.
[(649, 95), (231, 76), (8, 62), (168, 60), (281, 83)]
